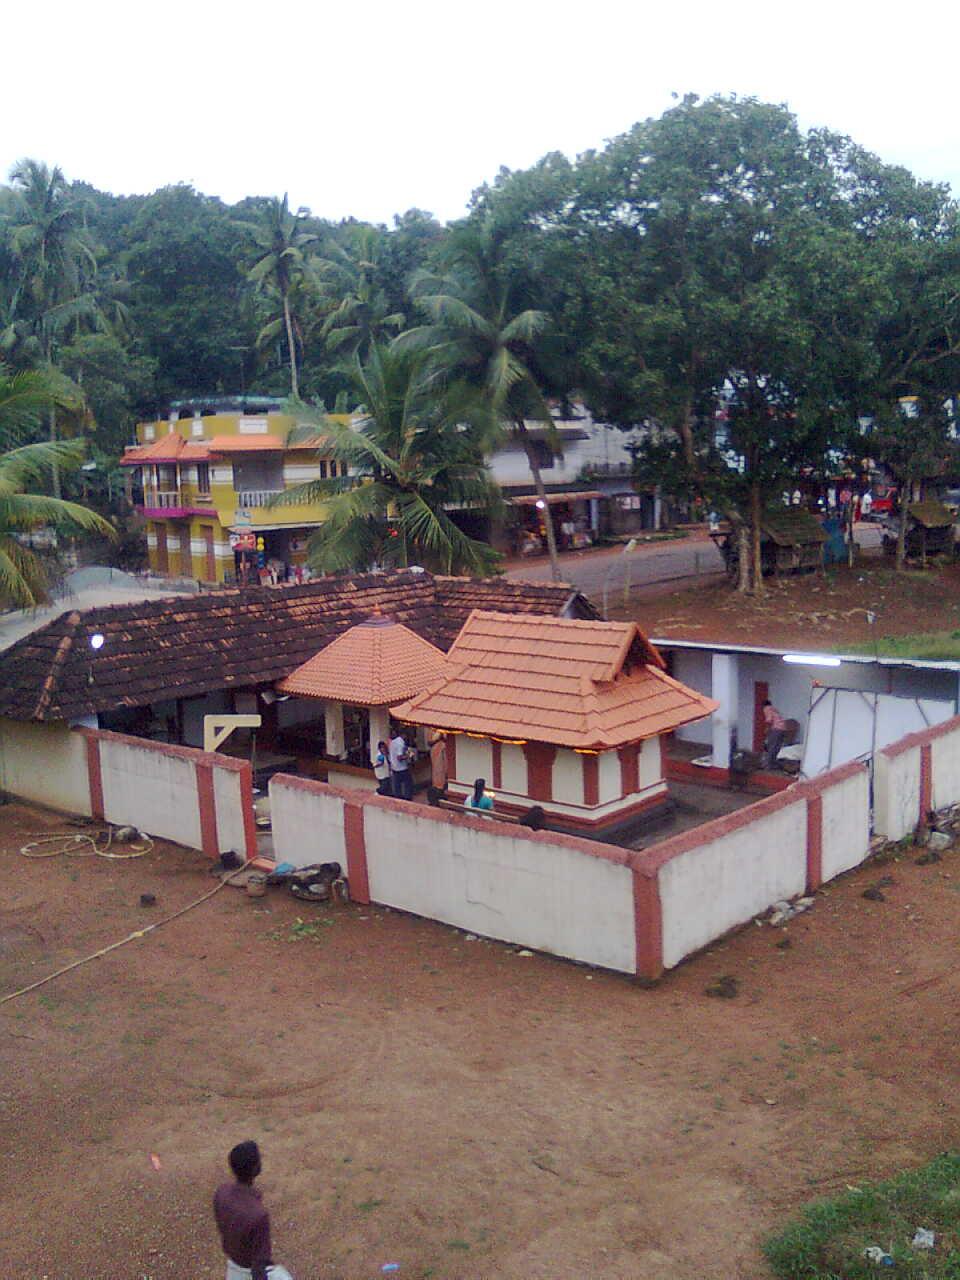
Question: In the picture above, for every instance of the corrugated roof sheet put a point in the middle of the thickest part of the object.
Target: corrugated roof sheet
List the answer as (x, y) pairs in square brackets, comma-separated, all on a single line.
[(185, 646), (375, 663), (931, 514), (585, 684), (792, 527)]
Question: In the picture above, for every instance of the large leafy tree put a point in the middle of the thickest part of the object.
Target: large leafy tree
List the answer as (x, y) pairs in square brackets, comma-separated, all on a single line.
[(478, 330), (414, 455), (280, 243), (24, 468)]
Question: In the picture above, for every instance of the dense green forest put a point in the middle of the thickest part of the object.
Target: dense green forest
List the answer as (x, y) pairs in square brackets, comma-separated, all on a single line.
[(752, 290)]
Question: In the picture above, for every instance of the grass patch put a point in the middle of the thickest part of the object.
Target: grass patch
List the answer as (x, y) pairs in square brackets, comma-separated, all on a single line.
[(302, 930), (935, 645), (828, 1240)]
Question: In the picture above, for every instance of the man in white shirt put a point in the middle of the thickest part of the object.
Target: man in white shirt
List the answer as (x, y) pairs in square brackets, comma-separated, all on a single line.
[(400, 768)]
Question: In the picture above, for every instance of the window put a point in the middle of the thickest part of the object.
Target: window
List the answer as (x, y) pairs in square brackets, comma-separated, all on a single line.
[(203, 477), (543, 455), (323, 470)]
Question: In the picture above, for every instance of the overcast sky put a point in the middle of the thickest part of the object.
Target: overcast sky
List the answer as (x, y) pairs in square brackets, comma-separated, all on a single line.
[(369, 109)]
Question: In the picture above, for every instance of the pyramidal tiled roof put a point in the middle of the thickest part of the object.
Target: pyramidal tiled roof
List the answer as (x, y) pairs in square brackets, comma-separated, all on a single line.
[(377, 662), (591, 685)]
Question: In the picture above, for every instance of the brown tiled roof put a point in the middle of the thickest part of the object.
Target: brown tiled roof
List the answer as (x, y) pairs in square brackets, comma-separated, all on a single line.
[(185, 646), (590, 685), (167, 449), (375, 663)]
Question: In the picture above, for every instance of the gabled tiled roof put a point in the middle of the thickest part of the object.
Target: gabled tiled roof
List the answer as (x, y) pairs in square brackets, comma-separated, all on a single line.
[(167, 449), (591, 685), (185, 646), (375, 663)]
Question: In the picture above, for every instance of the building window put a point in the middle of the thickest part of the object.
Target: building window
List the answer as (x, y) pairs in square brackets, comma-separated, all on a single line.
[(544, 455), (203, 477), (323, 471)]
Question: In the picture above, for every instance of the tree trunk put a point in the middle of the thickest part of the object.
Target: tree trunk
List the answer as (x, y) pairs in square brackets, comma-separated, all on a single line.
[(743, 548), (905, 490), (542, 497), (55, 469), (755, 547), (291, 345)]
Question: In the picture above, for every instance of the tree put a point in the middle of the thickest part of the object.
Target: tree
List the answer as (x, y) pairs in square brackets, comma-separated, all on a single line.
[(413, 458), (478, 332), (24, 398), (357, 308), (56, 263), (280, 261)]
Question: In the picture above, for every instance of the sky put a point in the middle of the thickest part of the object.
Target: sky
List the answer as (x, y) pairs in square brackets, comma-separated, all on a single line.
[(368, 110)]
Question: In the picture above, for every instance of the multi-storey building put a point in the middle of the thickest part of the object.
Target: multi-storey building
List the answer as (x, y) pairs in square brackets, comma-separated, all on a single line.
[(205, 478)]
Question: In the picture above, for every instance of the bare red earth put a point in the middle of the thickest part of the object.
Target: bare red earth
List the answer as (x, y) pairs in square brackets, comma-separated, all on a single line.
[(449, 1105)]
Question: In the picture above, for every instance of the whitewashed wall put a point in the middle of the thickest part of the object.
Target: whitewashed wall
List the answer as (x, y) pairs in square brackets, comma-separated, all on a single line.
[(945, 768), (44, 763), (154, 791), (307, 826), (726, 880), (896, 792), (846, 824), (231, 831)]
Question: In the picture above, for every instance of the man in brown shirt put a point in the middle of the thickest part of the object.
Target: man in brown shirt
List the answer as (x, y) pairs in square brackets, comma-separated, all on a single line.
[(242, 1220)]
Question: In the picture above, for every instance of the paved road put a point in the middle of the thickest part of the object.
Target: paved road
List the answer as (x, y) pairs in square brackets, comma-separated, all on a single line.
[(646, 565)]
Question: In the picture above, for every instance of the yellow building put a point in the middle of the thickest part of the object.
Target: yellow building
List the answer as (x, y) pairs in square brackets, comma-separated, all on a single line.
[(204, 479)]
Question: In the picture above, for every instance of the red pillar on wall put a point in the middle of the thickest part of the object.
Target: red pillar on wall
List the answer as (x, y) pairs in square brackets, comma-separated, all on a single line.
[(540, 757), (355, 840), (814, 843), (497, 764), (926, 780), (648, 926), (94, 776), (207, 800), (591, 779), (630, 768)]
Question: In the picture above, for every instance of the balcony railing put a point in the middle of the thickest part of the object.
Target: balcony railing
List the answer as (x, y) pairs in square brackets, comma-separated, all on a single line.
[(170, 498), (256, 497)]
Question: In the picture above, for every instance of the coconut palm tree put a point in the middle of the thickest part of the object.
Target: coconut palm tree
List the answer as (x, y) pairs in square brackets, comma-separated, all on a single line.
[(24, 398), (476, 331), (414, 455), (357, 309), (280, 262)]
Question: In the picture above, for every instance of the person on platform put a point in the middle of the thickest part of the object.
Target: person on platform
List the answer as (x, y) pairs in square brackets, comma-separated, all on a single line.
[(478, 801), (381, 769), (400, 767), (776, 732)]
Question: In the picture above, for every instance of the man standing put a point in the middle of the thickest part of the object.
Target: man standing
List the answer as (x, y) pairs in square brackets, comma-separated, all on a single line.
[(400, 767), (242, 1220), (776, 732)]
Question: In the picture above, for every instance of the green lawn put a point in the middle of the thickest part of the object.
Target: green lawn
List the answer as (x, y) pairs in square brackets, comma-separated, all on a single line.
[(827, 1242), (940, 645)]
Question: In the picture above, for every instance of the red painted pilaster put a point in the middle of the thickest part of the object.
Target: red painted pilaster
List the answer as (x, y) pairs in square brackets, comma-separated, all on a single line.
[(926, 780), (814, 843), (451, 755), (207, 800), (648, 925), (629, 768), (249, 819), (591, 779), (95, 776), (497, 765), (540, 757), (356, 843)]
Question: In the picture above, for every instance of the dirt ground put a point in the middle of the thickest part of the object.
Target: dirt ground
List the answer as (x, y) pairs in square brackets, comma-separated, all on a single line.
[(448, 1104), (826, 610)]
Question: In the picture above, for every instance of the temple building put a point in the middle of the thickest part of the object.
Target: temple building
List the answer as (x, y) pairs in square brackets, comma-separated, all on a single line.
[(567, 715)]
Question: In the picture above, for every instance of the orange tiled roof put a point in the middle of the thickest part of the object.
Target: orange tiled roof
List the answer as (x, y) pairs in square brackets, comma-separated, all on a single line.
[(592, 685), (166, 449), (195, 451), (246, 444), (374, 663)]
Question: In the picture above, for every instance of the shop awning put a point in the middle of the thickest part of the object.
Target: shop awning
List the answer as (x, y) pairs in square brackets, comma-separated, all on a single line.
[(273, 528), (531, 499)]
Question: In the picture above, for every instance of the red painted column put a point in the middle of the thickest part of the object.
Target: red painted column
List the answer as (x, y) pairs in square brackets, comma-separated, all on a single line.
[(356, 843), (206, 798), (591, 779), (497, 765), (630, 768), (648, 925), (95, 776), (540, 757), (451, 755), (249, 819), (814, 843), (926, 780)]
